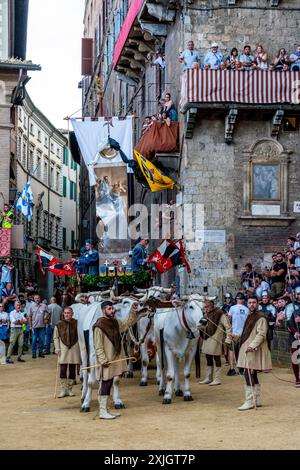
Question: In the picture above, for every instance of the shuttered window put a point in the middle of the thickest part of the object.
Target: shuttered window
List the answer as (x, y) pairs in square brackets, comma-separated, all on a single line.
[(87, 57)]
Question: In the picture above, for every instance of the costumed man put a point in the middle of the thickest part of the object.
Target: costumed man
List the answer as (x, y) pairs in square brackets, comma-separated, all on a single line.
[(217, 325), (88, 263), (109, 348), (67, 348), (292, 313), (139, 255), (254, 354), (7, 217), (269, 312)]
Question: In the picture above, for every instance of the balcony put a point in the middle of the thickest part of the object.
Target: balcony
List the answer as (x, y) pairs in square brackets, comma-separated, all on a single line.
[(232, 91), (144, 27)]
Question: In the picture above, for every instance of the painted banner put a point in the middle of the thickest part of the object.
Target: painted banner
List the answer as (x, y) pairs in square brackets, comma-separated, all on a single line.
[(111, 203), (5, 242)]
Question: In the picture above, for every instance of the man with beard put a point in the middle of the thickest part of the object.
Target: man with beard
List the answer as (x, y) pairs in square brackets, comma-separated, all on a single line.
[(254, 354), (67, 348), (110, 355), (217, 325)]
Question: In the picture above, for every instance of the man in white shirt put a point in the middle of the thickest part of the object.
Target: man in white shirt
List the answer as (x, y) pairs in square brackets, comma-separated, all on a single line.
[(214, 59), (237, 314), (17, 320), (190, 58)]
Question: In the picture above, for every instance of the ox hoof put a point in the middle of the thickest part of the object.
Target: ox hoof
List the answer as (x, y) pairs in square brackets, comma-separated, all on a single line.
[(188, 398), (167, 401), (179, 393), (143, 384), (129, 375), (84, 410), (161, 392), (119, 406)]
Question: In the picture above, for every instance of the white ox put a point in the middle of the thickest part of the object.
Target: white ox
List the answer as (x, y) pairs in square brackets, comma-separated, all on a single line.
[(176, 326), (87, 315), (146, 330)]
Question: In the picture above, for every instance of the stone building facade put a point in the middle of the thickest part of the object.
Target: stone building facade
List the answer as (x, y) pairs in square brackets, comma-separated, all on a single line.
[(40, 156), (221, 145)]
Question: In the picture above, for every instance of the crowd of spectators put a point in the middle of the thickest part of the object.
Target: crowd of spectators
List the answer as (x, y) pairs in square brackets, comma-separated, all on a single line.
[(277, 289), (25, 319), (245, 60)]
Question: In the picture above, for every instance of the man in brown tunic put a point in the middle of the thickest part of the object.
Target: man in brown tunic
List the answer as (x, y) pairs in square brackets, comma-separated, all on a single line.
[(254, 354), (67, 348), (217, 326), (109, 348)]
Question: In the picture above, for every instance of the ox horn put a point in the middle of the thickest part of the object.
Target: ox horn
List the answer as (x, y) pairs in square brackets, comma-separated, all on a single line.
[(141, 291), (113, 297), (79, 297)]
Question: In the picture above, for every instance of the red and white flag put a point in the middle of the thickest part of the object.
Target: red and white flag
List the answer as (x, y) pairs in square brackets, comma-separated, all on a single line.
[(169, 254), (48, 261)]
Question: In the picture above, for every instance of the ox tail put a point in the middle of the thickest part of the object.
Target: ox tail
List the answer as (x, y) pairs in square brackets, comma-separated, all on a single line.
[(197, 360), (162, 348)]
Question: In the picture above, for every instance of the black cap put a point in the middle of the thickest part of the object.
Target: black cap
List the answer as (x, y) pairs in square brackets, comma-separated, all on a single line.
[(239, 295)]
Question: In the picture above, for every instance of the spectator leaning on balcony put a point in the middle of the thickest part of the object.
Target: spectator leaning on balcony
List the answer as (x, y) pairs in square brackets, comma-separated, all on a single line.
[(170, 108), (214, 59), (281, 61), (295, 60), (260, 58), (247, 59), (190, 58), (232, 61)]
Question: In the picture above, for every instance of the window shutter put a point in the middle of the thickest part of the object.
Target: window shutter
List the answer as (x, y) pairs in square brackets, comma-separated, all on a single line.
[(87, 57), (64, 186)]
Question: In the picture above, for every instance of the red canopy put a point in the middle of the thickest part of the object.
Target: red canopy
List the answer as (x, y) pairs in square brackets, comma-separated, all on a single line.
[(159, 138)]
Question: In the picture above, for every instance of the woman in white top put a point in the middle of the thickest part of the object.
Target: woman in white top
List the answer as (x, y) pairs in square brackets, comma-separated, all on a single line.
[(261, 58)]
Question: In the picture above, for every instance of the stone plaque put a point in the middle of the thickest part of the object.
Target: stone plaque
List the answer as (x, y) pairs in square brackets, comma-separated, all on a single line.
[(214, 236), (265, 209), (296, 206)]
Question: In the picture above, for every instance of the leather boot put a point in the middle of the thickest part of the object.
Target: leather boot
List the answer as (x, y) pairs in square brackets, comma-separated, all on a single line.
[(248, 404), (103, 413), (208, 375), (217, 377), (70, 385), (64, 389)]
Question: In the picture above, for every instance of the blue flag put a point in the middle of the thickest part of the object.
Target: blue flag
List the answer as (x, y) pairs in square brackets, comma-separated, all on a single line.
[(25, 201)]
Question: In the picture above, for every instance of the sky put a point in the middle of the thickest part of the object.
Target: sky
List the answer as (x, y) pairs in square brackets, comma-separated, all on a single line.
[(55, 29)]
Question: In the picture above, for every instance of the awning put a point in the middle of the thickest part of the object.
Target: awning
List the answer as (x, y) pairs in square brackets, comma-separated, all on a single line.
[(132, 13)]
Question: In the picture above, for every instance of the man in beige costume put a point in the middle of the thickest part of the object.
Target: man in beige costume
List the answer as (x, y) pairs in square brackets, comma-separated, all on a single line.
[(108, 348), (67, 348), (254, 354), (217, 326)]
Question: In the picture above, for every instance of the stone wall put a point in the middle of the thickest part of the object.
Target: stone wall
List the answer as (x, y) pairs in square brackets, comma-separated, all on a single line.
[(8, 82)]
